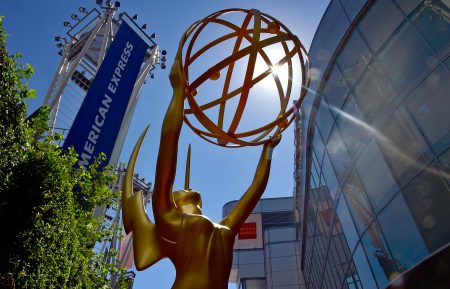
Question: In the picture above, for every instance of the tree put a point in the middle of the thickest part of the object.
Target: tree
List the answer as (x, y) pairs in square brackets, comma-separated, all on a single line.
[(48, 229)]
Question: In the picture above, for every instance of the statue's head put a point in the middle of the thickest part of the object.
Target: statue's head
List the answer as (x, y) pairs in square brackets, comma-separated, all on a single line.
[(188, 201)]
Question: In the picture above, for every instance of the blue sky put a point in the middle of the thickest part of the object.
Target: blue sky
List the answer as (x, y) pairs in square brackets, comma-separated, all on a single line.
[(219, 174)]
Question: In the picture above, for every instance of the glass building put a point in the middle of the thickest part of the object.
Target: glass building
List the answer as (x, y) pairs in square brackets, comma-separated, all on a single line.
[(373, 159), (266, 252)]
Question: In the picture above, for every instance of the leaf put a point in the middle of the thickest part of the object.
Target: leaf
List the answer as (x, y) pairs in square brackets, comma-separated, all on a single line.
[(31, 93)]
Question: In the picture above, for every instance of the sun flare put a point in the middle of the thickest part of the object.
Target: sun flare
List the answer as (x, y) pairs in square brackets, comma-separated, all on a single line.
[(281, 71)]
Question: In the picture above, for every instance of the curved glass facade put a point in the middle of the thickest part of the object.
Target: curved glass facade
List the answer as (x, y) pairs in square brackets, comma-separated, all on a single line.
[(377, 171)]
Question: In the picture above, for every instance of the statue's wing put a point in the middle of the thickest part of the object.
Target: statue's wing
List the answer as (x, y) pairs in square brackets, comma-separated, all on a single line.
[(146, 241)]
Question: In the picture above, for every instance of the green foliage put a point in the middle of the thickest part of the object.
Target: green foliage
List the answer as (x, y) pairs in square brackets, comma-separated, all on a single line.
[(48, 229)]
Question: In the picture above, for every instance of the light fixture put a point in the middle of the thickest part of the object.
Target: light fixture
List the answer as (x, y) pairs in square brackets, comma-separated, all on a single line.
[(82, 10), (117, 4), (67, 24), (135, 17), (99, 2), (153, 35), (152, 76), (163, 52), (59, 45), (57, 38), (60, 52), (163, 59), (74, 17), (163, 66), (144, 26)]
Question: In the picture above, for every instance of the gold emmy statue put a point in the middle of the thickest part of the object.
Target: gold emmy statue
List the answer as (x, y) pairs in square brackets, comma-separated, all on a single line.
[(200, 249)]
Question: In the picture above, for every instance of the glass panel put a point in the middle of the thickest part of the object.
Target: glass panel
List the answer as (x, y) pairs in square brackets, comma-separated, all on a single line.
[(276, 205), (381, 262), (251, 256), (337, 31), (374, 92), (315, 177), (320, 52), (354, 58), (339, 265), (324, 119), (352, 278), (428, 197), (376, 32), (363, 268), (325, 212), (447, 62), (254, 283), (444, 159), (314, 272), (354, 7), (376, 176), (429, 105), (254, 270), (401, 233), (396, 57), (347, 223), (403, 146), (329, 278), (235, 257), (432, 21), (283, 263), (330, 177), (408, 5), (281, 234), (336, 89), (282, 250), (338, 153), (357, 202), (320, 246), (352, 125), (319, 148), (311, 223)]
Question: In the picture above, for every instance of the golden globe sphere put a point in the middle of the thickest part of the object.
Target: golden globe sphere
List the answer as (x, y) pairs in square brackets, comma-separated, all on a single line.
[(251, 34)]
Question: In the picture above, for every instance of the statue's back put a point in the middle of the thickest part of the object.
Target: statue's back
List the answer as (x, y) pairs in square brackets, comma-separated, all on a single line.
[(204, 254)]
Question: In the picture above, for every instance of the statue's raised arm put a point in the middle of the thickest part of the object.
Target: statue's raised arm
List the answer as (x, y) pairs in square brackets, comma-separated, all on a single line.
[(248, 201), (167, 218)]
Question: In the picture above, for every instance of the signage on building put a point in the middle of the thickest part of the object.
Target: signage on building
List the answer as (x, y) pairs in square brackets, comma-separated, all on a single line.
[(247, 231), (250, 234), (96, 126)]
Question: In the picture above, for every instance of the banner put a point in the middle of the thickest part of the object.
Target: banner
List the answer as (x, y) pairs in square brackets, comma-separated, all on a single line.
[(96, 126), (126, 255)]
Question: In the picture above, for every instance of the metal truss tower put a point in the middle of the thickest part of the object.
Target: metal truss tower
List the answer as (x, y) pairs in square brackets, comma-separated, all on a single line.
[(83, 49)]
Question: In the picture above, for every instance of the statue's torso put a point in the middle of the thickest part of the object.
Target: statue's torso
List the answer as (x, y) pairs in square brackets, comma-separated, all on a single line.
[(203, 254)]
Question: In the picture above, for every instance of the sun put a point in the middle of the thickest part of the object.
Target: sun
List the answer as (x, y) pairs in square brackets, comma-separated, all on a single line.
[(275, 54), (280, 71)]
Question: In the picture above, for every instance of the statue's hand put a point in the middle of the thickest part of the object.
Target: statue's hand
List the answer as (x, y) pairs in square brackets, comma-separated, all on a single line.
[(274, 141), (176, 76)]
